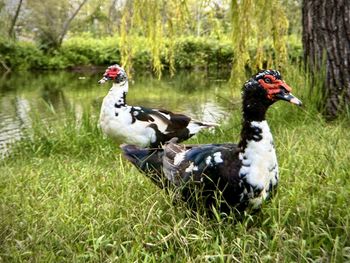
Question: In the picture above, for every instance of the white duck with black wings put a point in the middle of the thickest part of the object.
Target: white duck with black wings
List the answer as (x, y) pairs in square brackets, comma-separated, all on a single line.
[(137, 125), (245, 174)]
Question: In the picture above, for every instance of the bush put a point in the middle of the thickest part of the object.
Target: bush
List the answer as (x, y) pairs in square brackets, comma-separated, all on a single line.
[(21, 55), (189, 52), (89, 51)]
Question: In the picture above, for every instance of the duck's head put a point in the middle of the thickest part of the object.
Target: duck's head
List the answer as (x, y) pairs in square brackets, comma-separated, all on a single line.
[(267, 86), (115, 73)]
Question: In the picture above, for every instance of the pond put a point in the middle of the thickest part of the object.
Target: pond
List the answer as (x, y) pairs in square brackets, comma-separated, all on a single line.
[(47, 94)]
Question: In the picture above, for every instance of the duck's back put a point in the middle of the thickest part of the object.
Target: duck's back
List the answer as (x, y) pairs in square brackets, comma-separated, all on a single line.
[(208, 167)]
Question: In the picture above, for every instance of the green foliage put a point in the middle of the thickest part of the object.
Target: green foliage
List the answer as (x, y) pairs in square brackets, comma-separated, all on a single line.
[(20, 55), (147, 20), (52, 20), (160, 23), (186, 53), (264, 24), (251, 21), (89, 51)]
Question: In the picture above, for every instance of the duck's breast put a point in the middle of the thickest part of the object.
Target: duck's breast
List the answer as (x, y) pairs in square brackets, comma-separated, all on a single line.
[(259, 164)]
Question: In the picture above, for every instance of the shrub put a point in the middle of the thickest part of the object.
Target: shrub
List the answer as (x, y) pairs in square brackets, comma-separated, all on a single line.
[(23, 55), (189, 52)]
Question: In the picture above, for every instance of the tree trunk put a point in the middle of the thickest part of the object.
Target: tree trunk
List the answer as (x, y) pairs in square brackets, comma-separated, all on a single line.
[(67, 23), (111, 15), (326, 40), (14, 20)]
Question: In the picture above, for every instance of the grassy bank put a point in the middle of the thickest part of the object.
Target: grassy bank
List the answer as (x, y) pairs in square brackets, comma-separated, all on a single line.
[(66, 195)]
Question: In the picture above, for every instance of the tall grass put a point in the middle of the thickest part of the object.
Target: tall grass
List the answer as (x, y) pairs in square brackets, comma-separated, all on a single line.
[(66, 195)]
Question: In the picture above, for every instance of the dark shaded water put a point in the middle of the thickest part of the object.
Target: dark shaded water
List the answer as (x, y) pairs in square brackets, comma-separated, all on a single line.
[(48, 94)]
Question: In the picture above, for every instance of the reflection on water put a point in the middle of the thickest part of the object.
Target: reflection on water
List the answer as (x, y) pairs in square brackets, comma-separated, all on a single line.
[(45, 93), (14, 116), (53, 95)]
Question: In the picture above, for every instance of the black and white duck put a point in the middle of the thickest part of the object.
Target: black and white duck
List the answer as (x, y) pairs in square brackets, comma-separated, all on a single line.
[(245, 174), (138, 125)]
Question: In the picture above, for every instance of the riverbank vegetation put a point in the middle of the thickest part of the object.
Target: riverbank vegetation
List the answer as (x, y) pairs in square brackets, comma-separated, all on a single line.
[(157, 35), (86, 51)]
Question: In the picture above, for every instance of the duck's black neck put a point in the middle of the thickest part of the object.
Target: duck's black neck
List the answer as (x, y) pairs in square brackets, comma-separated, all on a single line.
[(254, 111)]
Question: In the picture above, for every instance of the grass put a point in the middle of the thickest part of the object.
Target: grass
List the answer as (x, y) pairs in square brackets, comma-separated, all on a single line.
[(66, 195)]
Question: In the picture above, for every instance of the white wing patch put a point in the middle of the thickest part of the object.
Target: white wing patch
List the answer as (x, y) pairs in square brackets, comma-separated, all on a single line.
[(217, 157), (194, 127), (191, 168), (165, 115), (208, 160), (179, 157), (162, 126)]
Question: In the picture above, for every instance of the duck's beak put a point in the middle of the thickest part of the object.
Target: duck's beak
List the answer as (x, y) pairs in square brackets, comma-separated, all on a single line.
[(287, 96), (103, 80)]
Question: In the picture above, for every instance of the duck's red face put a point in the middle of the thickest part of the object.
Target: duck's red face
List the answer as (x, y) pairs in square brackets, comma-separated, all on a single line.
[(115, 73), (277, 89), (273, 86)]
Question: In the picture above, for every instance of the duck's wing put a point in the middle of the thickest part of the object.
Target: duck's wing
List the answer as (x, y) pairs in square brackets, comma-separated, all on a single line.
[(150, 161), (165, 120), (176, 121), (201, 163), (167, 124)]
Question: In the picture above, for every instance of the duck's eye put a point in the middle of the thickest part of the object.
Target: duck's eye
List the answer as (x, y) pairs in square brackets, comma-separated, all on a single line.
[(267, 80)]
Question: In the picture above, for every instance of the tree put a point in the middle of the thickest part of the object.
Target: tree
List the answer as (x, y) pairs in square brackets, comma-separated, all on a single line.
[(14, 20), (113, 16), (98, 17), (251, 23), (52, 20), (326, 40)]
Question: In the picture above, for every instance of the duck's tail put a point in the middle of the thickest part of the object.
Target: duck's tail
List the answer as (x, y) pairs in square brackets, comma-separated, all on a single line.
[(196, 126), (147, 161)]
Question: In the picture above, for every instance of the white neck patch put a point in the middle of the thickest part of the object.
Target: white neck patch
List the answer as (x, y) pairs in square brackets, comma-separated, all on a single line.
[(115, 95), (259, 161), (119, 88)]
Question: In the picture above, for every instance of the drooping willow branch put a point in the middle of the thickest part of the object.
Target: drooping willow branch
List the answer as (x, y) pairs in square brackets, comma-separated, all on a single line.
[(255, 24)]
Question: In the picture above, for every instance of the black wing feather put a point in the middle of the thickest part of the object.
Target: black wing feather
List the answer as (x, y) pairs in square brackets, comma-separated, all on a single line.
[(197, 157), (207, 177), (174, 122)]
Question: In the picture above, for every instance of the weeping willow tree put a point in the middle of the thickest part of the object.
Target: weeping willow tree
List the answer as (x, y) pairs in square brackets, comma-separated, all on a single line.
[(253, 24), (155, 20)]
